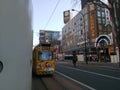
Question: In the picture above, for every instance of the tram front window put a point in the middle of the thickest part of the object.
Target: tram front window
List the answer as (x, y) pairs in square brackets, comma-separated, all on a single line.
[(46, 55)]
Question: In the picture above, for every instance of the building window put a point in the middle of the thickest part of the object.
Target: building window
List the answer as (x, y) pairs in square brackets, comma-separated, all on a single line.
[(103, 9), (105, 33), (107, 12), (103, 14), (68, 28), (86, 23), (86, 17), (99, 20), (100, 33), (103, 20), (81, 19), (78, 27), (107, 18), (99, 27), (98, 7), (81, 24), (98, 13), (73, 30), (75, 23)]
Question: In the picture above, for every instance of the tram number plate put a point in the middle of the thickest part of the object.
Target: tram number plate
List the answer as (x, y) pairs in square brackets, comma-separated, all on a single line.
[(49, 69)]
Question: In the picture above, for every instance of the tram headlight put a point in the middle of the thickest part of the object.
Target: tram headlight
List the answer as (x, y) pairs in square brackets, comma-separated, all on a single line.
[(48, 64), (37, 67), (40, 66)]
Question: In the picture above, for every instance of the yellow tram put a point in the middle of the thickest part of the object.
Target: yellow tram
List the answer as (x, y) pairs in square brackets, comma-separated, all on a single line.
[(43, 59)]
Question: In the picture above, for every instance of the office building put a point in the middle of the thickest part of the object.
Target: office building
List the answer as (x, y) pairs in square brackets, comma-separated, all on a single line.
[(90, 29), (84, 2)]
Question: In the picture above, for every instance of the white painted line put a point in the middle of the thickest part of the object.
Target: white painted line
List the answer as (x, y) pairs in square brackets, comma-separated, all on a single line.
[(75, 81), (108, 76)]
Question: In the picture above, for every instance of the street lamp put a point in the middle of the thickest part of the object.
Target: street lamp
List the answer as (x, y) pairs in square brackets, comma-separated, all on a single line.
[(85, 55), (75, 10)]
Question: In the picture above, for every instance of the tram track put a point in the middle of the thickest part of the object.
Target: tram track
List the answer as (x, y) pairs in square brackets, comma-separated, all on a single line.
[(51, 83), (37, 83), (47, 82), (55, 82)]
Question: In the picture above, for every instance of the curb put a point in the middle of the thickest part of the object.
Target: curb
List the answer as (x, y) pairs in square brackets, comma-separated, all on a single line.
[(96, 64), (102, 65)]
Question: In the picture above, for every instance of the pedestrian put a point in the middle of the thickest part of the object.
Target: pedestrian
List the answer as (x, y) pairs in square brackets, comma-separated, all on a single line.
[(86, 59), (74, 60)]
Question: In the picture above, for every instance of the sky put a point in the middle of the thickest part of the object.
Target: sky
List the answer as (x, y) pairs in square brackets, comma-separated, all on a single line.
[(48, 15)]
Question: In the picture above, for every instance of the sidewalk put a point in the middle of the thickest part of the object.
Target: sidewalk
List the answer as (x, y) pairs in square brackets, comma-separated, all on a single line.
[(101, 64), (108, 65)]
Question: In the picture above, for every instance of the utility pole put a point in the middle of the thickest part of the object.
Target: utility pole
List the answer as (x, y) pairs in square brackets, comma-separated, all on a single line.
[(85, 54), (115, 13)]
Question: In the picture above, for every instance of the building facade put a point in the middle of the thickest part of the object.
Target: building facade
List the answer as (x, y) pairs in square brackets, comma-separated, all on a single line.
[(50, 36), (84, 2), (90, 29)]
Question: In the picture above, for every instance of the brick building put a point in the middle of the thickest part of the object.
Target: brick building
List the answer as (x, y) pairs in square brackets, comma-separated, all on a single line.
[(91, 26)]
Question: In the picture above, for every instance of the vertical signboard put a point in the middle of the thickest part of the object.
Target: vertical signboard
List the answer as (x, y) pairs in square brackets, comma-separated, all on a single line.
[(66, 16), (92, 25)]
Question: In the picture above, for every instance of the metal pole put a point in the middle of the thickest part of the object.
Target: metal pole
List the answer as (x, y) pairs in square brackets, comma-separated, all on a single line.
[(85, 58), (118, 20)]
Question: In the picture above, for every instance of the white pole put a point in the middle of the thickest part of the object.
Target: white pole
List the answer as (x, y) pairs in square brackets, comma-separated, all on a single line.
[(15, 44)]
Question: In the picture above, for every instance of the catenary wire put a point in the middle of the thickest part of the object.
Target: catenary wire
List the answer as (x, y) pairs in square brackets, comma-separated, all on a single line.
[(52, 13)]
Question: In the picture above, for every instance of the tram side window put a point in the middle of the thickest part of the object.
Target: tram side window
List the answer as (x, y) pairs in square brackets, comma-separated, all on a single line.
[(34, 55), (44, 55), (39, 55)]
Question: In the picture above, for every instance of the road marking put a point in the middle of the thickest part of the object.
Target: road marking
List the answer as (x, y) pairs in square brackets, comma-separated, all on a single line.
[(75, 81), (108, 76)]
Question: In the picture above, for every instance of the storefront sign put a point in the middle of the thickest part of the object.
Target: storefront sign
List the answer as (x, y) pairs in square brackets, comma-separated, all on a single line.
[(92, 25)]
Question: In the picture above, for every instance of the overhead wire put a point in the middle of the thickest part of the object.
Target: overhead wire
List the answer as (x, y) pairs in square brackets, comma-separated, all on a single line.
[(52, 14)]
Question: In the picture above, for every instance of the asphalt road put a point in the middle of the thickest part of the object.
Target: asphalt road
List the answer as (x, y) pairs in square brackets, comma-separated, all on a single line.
[(91, 77)]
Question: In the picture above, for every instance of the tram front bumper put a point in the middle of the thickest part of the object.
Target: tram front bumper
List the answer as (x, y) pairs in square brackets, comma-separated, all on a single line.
[(45, 72)]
